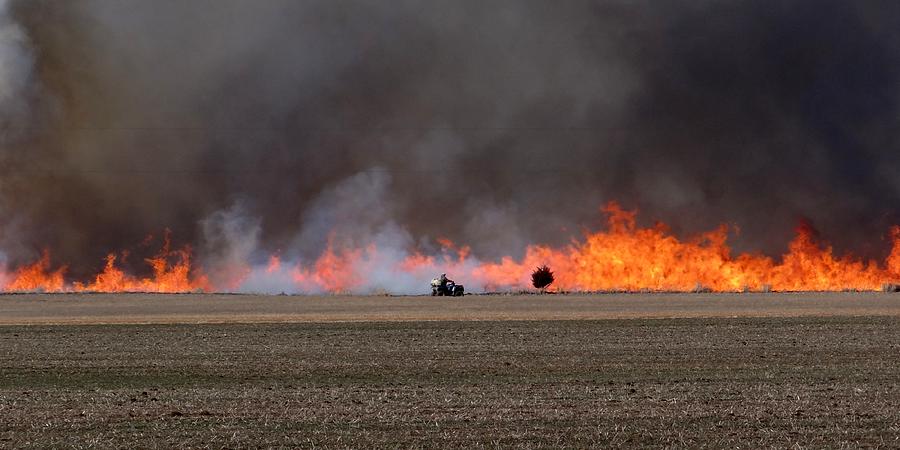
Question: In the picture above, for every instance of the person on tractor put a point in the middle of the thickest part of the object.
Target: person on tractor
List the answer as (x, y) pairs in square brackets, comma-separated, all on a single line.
[(445, 286)]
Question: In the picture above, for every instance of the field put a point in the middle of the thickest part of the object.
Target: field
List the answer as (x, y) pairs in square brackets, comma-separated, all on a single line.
[(701, 370)]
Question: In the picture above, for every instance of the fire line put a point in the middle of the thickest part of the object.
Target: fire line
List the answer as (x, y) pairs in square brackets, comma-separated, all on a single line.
[(623, 257)]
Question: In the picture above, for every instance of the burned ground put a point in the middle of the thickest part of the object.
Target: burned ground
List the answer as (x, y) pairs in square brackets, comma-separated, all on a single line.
[(718, 382)]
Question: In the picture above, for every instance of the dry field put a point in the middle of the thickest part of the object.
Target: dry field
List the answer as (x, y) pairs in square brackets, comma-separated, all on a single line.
[(704, 370)]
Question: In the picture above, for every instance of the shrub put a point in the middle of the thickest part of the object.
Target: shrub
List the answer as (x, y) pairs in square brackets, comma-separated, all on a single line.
[(542, 277)]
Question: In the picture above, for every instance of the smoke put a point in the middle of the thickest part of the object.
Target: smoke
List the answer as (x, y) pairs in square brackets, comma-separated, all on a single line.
[(258, 128), (15, 66), (230, 242)]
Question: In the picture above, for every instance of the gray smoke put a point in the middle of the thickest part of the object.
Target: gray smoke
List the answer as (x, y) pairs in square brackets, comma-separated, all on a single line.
[(15, 93), (15, 66), (253, 128)]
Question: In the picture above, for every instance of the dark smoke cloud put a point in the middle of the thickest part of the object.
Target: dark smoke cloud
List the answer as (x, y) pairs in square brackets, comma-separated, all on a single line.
[(492, 123)]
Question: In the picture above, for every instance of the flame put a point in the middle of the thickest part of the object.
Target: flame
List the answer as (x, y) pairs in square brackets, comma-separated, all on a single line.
[(37, 277), (334, 270), (893, 260), (174, 276), (274, 264), (624, 257), (630, 258)]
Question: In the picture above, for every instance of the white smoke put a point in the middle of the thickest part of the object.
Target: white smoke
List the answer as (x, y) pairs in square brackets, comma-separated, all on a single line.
[(16, 66), (5, 276), (266, 280), (16, 62), (230, 242), (351, 221)]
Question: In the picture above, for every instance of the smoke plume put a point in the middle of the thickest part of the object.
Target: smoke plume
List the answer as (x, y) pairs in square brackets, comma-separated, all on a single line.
[(252, 129)]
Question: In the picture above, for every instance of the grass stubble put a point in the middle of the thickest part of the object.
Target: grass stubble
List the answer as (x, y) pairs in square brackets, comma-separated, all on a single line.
[(694, 382)]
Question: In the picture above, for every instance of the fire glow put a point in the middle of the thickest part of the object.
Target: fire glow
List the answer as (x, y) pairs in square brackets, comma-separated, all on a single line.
[(624, 257)]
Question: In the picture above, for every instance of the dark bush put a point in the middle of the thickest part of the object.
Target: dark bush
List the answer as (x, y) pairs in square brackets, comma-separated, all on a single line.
[(542, 277)]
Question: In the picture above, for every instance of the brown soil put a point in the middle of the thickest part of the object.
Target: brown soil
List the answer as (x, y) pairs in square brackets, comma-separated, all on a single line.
[(815, 370), (217, 308)]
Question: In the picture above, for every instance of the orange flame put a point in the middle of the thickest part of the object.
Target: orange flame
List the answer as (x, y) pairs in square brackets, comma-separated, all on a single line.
[(274, 264), (631, 258), (167, 277), (37, 277), (334, 270), (623, 257)]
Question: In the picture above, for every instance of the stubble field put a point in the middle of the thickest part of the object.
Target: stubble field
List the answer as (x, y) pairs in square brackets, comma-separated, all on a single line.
[(485, 371)]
